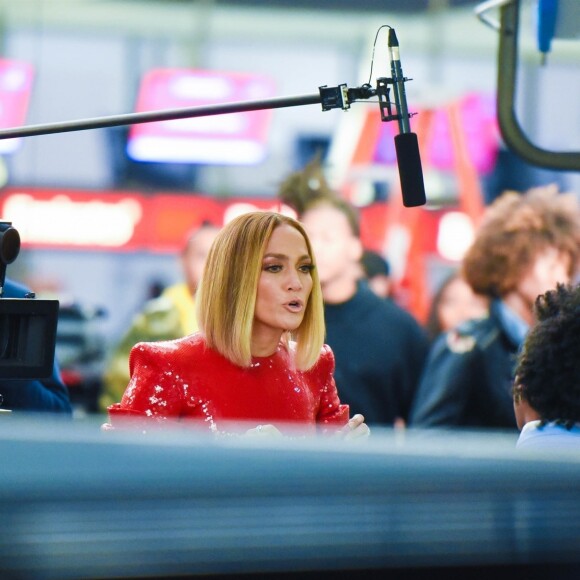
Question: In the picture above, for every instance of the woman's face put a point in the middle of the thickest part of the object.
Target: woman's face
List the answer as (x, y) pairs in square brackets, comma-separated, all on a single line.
[(284, 286), (459, 303)]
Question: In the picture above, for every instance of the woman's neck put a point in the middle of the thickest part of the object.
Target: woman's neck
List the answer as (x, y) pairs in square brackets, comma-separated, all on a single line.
[(265, 344)]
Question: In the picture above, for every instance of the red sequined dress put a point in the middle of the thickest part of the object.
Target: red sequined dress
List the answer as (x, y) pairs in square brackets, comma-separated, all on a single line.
[(184, 379)]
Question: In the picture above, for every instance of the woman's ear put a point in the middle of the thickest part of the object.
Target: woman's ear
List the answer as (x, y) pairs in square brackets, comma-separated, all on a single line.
[(524, 412)]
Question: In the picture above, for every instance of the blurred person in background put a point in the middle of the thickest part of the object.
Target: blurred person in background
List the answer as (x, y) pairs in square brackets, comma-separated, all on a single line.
[(259, 357), (380, 348), (29, 395), (547, 386), (454, 302), (171, 315), (377, 273), (525, 245)]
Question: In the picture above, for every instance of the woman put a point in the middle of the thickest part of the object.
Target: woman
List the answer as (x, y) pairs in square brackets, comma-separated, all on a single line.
[(259, 357), (454, 302)]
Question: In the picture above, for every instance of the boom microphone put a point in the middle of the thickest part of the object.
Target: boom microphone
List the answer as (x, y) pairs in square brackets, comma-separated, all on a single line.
[(406, 143)]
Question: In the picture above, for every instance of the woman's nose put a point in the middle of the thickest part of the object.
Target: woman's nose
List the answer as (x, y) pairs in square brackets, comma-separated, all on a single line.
[(294, 282)]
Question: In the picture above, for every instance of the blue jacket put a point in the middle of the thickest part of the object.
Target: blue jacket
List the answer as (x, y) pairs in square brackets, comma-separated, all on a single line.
[(33, 395)]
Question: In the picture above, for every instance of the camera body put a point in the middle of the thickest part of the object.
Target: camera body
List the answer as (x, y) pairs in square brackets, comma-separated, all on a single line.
[(27, 325)]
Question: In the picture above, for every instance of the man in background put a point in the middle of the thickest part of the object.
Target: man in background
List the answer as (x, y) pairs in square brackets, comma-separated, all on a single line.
[(169, 316), (379, 347)]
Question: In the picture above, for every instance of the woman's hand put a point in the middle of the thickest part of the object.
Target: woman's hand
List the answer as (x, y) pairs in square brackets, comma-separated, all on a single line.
[(264, 431), (355, 428)]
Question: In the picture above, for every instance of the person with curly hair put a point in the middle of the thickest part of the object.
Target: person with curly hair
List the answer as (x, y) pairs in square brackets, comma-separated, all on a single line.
[(546, 391), (525, 245)]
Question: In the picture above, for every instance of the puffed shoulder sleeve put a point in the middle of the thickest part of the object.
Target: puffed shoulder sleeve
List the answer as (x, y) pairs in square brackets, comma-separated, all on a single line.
[(154, 390), (330, 410)]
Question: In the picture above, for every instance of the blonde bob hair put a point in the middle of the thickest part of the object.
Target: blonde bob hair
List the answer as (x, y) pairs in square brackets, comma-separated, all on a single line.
[(226, 296)]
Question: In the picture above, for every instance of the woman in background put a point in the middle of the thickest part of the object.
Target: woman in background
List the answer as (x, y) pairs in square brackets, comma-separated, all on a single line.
[(259, 357), (454, 302)]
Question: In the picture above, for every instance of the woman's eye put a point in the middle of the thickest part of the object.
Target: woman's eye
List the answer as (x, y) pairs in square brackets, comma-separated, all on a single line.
[(273, 268), (306, 268)]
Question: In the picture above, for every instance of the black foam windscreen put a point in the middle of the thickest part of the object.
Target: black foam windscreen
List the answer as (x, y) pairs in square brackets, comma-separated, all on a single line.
[(410, 169)]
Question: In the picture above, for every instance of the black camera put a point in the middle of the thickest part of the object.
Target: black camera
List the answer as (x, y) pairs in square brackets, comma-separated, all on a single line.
[(27, 325)]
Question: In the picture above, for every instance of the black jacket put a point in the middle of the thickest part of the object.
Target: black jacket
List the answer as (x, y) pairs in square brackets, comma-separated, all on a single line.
[(468, 378), (380, 350)]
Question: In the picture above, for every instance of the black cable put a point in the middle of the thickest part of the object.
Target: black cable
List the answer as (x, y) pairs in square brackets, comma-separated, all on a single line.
[(374, 46)]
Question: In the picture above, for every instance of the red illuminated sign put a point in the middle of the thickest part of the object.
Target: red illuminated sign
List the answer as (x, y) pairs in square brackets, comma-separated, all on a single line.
[(131, 221)]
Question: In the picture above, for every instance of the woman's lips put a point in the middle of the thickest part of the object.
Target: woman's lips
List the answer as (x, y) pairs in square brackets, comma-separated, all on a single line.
[(294, 306)]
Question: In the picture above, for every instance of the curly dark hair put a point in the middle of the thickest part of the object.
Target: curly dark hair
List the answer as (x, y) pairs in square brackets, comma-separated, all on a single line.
[(548, 367), (515, 229)]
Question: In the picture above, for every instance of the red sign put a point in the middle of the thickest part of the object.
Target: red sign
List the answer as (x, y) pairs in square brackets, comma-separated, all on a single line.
[(129, 221), (115, 220), (233, 138)]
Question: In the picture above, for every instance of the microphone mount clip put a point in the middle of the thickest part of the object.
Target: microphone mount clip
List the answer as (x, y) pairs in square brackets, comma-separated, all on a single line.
[(341, 97), (385, 104)]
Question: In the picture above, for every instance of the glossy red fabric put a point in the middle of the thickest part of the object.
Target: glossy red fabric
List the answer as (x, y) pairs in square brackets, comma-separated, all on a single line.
[(184, 379)]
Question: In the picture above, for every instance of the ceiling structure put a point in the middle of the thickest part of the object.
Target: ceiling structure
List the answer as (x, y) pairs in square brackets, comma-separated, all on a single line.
[(65, 10), (345, 22), (406, 6)]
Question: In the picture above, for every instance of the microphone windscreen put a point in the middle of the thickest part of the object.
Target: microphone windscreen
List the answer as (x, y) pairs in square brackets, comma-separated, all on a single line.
[(410, 170)]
